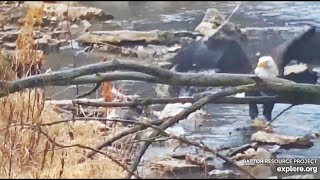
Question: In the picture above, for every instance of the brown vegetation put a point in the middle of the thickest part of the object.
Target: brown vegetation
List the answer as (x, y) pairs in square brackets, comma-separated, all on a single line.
[(30, 149)]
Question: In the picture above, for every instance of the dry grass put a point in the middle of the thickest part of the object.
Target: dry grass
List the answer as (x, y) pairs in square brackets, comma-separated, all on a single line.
[(30, 150), (26, 153), (27, 59)]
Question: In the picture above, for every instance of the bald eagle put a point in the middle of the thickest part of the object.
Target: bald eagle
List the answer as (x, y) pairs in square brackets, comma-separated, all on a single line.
[(302, 48), (226, 55)]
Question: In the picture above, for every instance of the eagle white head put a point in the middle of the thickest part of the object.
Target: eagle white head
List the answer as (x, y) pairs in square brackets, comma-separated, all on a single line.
[(266, 67)]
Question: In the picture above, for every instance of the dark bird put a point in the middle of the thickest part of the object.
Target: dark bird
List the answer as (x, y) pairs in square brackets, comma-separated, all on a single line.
[(225, 55), (221, 54), (303, 49)]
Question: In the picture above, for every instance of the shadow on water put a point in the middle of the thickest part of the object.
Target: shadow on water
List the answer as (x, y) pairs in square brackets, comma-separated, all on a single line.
[(267, 23)]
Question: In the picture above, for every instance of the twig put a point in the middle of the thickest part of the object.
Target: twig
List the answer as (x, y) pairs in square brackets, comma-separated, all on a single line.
[(95, 88), (182, 115), (150, 101), (227, 20), (89, 119), (280, 114), (122, 134), (152, 139), (60, 92), (203, 147), (62, 110), (85, 147)]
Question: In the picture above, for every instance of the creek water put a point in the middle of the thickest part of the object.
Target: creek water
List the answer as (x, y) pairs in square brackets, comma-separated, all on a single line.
[(268, 23)]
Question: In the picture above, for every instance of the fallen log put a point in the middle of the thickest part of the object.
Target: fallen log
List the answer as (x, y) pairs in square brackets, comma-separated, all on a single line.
[(297, 93)]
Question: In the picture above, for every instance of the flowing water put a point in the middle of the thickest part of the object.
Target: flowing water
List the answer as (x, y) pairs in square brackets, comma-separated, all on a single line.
[(267, 23)]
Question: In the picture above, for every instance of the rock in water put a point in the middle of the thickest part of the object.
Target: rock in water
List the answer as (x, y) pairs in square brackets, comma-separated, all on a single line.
[(171, 167), (211, 22), (258, 169), (282, 140)]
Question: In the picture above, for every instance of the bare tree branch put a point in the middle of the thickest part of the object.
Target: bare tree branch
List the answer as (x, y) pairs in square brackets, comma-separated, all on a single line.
[(124, 167), (153, 74), (203, 147), (182, 115), (89, 119), (151, 101), (122, 134), (94, 89)]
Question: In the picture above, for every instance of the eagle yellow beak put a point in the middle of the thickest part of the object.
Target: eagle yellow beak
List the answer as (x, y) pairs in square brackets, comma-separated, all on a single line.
[(263, 64)]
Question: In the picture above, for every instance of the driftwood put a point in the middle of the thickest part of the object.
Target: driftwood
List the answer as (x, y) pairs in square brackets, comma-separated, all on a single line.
[(123, 36)]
